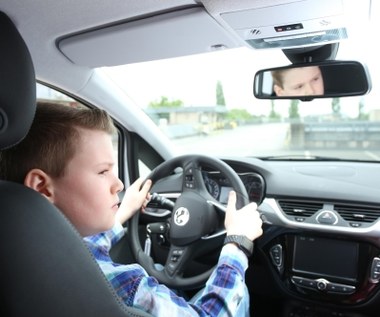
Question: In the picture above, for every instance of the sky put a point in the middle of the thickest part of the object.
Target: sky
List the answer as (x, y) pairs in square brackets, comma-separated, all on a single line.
[(193, 79)]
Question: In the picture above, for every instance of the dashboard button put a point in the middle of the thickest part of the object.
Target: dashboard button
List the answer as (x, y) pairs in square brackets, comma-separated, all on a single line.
[(340, 288), (276, 254), (304, 282), (327, 217), (375, 270), (322, 285)]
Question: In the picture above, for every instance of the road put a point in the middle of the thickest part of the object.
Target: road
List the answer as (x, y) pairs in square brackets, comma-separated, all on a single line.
[(261, 140)]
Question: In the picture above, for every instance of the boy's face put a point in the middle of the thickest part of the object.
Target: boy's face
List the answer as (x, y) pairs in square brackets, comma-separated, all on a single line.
[(303, 81), (88, 192)]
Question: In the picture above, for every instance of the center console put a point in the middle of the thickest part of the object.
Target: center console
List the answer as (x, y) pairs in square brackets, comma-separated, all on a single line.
[(330, 269)]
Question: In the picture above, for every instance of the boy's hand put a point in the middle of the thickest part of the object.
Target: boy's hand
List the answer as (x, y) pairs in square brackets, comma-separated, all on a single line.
[(136, 197), (245, 221)]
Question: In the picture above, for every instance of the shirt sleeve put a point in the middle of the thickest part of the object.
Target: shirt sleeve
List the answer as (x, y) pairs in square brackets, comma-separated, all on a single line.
[(221, 296), (109, 238), (223, 293)]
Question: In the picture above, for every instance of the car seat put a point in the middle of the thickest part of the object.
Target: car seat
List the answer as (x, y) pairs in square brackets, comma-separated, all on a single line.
[(46, 269)]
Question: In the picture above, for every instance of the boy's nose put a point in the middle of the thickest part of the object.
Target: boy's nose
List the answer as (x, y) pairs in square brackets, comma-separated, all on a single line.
[(119, 185), (309, 90)]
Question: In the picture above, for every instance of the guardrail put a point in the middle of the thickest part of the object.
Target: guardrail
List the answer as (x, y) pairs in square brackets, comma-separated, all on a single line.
[(353, 134)]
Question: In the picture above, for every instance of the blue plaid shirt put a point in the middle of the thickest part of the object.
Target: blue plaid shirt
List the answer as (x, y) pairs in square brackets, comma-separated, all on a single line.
[(221, 296)]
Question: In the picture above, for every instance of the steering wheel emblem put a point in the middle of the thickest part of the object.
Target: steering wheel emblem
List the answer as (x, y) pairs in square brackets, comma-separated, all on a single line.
[(181, 216)]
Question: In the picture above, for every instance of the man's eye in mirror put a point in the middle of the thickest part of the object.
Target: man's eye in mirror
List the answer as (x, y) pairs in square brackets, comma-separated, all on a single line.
[(316, 80)]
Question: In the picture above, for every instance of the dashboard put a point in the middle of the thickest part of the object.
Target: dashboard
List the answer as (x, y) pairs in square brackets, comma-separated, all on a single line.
[(321, 243), (218, 186), (322, 246)]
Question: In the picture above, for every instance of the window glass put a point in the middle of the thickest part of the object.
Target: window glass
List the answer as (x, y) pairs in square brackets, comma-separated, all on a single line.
[(204, 103)]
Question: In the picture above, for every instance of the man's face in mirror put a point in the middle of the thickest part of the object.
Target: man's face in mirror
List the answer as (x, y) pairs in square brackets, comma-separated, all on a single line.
[(301, 81)]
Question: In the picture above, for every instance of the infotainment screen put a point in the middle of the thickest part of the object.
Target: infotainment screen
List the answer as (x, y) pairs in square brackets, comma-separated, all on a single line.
[(326, 257)]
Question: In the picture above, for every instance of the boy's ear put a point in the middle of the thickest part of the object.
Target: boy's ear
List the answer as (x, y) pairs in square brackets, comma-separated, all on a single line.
[(40, 182), (277, 90)]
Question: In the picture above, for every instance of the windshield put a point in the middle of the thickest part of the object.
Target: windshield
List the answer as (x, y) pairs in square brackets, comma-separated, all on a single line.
[(205, 104)]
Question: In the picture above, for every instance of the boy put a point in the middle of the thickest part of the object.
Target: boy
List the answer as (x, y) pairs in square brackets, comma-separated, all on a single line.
[(68, 157), (301, 81)]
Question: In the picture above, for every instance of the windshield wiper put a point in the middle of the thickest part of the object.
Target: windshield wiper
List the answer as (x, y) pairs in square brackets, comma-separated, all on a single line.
[(299, 158)]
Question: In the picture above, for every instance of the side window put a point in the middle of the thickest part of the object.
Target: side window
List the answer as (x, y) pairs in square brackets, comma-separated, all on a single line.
[(49, 94), (143, 169)]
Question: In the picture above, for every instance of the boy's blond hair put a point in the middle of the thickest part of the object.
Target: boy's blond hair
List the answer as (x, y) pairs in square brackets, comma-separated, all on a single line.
[(51, 140)]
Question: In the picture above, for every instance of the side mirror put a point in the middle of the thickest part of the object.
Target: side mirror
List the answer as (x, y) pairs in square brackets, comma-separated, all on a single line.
[(312, 80)]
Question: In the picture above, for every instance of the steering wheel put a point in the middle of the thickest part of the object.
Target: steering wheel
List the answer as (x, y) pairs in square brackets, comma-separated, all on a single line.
[(196, 220)]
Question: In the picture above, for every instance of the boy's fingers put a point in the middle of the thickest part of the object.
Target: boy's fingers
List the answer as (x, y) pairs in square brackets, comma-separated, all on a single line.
[(231, 204), (138, 182), (147, 185)]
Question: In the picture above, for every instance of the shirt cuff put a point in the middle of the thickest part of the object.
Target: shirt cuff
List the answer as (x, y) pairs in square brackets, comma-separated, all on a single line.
[(231, 255)]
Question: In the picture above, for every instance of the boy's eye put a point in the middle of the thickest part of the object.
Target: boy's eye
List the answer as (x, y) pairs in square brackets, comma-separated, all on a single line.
[(103, 172)]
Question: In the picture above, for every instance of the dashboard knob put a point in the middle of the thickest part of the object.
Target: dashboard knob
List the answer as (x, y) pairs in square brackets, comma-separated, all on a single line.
[(321, 285)]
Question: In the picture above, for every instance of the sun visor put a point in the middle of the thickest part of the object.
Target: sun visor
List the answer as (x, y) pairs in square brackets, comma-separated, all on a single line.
[(291, 24), (161, 36)]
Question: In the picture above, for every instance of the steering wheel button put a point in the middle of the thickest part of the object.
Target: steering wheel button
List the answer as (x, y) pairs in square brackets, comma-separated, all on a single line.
[(174, 259), (189, 185), (177, 252), (171, 268)]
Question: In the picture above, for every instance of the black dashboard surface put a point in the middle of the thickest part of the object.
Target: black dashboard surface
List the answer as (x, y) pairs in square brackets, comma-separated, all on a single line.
[(326, 212)]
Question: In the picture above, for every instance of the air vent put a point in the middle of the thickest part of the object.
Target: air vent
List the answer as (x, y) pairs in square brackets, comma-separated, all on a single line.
[(299, 208), (358, 213)]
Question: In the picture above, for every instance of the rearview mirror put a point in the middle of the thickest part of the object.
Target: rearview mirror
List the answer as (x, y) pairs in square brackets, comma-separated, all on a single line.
[(312, 80)]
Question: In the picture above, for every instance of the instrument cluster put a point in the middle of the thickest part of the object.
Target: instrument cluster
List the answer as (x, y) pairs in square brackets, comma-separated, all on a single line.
[(219, 186)]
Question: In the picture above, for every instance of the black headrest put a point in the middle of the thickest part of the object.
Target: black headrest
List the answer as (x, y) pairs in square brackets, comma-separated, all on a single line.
[(17, 85)]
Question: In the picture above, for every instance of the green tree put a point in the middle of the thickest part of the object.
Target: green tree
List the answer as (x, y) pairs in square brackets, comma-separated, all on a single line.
[(273, 114), (164, 102), (239, 115), (220, 101), (362, 115), (293, 109), (335, 105)]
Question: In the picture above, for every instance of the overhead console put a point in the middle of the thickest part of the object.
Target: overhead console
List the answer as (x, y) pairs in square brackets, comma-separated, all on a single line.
[(291, 22), (325, 268), (323, 25)]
